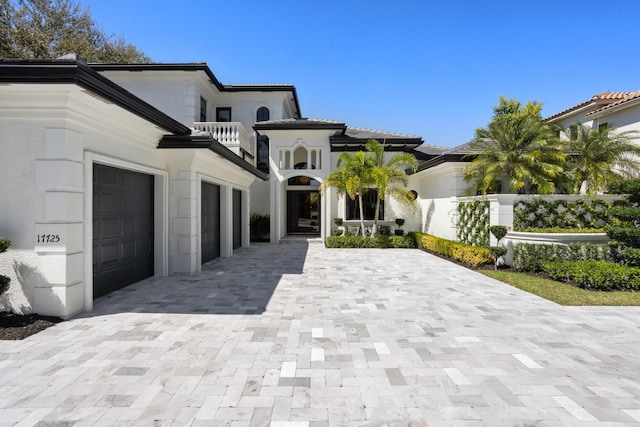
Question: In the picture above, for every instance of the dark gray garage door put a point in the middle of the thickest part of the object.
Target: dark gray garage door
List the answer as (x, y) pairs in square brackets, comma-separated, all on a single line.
[(122, 228), (210, 213), (237, 219)]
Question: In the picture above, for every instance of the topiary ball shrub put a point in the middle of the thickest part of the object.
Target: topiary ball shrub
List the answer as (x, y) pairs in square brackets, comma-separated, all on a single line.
[(498, 231)]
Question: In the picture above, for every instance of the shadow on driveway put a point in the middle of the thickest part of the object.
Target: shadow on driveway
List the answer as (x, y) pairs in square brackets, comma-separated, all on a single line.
[(242, 284)]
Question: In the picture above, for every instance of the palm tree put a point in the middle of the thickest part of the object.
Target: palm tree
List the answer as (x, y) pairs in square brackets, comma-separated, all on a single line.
[(390, 177), (599, 156), (516, 152), (353, 177)]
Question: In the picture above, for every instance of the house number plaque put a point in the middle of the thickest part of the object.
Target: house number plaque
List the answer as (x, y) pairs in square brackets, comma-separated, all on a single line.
[(48, 238)]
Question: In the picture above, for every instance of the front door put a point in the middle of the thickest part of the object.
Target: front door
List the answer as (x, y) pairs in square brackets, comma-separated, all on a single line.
[(303, 212)]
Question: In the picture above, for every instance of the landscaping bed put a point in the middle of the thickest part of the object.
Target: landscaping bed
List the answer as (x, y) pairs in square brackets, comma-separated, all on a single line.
[(17, 326)]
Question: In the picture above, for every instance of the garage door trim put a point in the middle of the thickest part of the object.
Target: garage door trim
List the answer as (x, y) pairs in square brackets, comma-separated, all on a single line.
[(161, 219)]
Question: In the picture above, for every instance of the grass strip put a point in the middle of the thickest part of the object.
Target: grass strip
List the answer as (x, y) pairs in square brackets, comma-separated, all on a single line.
[(563, 293)]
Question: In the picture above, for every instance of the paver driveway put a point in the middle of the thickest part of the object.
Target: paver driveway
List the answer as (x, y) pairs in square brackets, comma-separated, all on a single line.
[(297, 334)]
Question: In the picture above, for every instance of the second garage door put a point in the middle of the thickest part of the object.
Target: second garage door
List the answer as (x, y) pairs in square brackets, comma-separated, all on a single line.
[(210, 226)]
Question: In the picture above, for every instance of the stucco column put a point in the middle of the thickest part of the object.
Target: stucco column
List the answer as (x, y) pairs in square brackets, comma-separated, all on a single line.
[(226, 221), (274, 208), (58, 233), (183, 205), (501, 212)]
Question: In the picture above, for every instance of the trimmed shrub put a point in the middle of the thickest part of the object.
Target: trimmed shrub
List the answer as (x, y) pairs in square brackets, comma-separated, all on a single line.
[(596, 275), (260, 226), (531, 256), (368, 242), (384, 230), (472, 256), (4, 244), (5, 281)]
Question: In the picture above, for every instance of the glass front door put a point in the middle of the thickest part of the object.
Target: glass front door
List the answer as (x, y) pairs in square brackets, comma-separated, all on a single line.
[(303, 212)]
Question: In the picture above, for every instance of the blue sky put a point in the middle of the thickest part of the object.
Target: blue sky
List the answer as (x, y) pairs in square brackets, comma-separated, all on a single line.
[(424, 68)]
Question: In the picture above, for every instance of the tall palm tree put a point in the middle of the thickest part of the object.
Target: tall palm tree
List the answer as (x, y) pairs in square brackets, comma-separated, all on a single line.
[(353, 177), (601, 155), (516, 152), (390, 177)]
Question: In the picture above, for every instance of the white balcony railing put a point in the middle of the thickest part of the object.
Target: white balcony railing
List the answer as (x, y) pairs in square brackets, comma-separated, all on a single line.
[(233, 135)]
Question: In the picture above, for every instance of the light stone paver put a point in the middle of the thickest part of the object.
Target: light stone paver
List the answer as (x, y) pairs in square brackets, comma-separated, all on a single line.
[(299, 335)]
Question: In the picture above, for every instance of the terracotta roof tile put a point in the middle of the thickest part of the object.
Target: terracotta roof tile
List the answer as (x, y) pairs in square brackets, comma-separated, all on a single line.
[(604, 99), (630, 96)]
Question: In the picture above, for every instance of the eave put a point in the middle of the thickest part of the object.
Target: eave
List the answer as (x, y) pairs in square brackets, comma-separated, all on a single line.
[(345, 143), (444, 158), (209, 143), (75, 72)]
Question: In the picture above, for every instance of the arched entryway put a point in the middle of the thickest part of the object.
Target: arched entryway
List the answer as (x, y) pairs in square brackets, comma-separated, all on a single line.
[(303, 206)]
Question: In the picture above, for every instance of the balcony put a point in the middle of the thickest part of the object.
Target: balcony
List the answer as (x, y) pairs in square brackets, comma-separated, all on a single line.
[(232, 135)]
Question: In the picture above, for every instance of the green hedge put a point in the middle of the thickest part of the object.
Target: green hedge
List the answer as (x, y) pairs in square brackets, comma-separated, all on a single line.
[(530, 256), (369, 242), (596, 275), (472, 256)]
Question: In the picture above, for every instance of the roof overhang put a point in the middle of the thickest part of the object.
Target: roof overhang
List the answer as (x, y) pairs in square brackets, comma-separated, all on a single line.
[(444, 158), (209, 143), (299, 124), (68, 71), (347, 143), (614, 107)]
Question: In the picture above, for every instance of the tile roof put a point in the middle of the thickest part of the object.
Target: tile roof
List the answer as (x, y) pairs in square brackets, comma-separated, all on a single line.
[(630, 97), (299, 123), (361, 133), (431, 150), (603, 99)]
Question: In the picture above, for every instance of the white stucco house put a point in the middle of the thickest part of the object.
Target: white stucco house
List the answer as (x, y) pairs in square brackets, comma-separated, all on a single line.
[(115, 173), (620, 110)]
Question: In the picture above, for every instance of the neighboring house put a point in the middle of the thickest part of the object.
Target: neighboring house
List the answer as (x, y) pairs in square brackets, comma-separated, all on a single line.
[(614, 109)]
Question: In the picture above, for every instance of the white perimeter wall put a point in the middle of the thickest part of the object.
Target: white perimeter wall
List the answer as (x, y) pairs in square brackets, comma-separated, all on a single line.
[(438, 189)]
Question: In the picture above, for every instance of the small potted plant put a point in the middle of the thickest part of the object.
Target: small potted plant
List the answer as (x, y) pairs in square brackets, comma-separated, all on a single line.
[(340, 230), (399, 223)]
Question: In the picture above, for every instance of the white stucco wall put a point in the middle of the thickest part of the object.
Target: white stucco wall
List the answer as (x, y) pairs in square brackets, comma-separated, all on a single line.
[(50, 137), (260, 198), (623, 118), (438, 188), (45, 134)]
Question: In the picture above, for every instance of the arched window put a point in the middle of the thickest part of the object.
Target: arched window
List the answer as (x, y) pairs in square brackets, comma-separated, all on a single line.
[(262, 115)]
